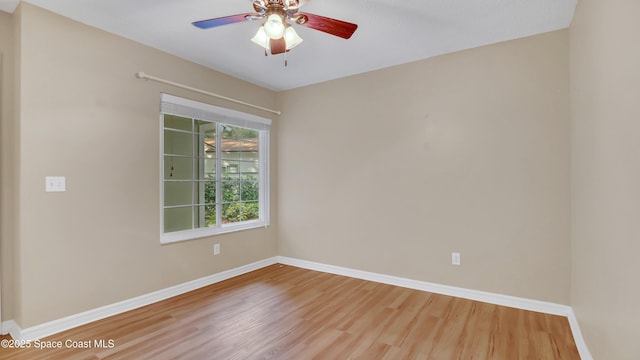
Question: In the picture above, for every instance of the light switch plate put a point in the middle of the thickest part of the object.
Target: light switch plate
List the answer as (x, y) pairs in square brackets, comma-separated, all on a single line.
[(455, 258), (55, 184)]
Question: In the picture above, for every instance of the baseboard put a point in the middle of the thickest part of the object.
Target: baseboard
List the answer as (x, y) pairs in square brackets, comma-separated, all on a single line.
[(578, 338), (10, 327), (491, 298), (56, 326)]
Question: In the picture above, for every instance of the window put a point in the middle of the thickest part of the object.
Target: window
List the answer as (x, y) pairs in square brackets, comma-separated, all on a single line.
[(214, 170)]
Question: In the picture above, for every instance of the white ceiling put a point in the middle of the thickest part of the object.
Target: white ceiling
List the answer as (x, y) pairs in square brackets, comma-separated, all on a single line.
[(390, 32)]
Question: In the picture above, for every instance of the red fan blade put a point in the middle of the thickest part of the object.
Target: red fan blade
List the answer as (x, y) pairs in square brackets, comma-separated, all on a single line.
[(210, 23), (277, 46), (331, 26)]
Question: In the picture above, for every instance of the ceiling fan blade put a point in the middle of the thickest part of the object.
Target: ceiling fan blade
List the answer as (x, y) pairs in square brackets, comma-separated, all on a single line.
[(331, 26), (226, 20), (277, 46)]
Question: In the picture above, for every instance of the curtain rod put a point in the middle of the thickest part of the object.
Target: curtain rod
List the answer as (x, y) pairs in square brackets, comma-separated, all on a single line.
[(142, 75)]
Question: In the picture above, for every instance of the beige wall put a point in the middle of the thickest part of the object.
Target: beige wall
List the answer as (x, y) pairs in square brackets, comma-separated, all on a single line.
[(85, 116), (605, 129), (8, 163), (391, 171)]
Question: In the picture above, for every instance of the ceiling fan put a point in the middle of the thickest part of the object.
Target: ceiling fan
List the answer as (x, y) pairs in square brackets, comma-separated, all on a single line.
[(276, 35)]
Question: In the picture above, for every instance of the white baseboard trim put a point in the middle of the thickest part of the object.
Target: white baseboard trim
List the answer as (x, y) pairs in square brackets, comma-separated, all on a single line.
[(491, 298), (56, 326), (10, 327), (578, 338)]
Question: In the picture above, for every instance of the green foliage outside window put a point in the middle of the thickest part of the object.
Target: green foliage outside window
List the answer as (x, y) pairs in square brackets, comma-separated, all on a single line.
[(235, 212), (239, 199)]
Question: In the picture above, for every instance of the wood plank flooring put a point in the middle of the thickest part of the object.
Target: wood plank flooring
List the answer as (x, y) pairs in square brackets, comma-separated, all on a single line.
[(284, 312)]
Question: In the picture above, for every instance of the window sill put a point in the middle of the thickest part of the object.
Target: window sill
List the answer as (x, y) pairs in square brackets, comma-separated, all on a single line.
[(177, 236)]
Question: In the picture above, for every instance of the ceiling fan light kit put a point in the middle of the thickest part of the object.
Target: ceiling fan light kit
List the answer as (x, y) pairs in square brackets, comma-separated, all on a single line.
[(291, 38), (276, 35)]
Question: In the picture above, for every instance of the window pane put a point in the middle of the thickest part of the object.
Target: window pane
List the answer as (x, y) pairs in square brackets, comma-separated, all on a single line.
[(249, 170), (231, 149), (230, 191), (209, 168), (249, 191), (177, 122), (231, 132), (176, 219), (207, 138), (239, 211), (249, 134), (177, 193), (209, 193), (231, 142), (209, 212), (178, 168), (251, 210), (230, 169), (249, 146), (178, 143), (209, 146)]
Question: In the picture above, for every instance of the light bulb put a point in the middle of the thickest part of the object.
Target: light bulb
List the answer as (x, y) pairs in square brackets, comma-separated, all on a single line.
[(274, 26)]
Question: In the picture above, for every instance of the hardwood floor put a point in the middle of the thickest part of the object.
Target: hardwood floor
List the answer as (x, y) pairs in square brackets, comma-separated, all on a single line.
[(283, 312)]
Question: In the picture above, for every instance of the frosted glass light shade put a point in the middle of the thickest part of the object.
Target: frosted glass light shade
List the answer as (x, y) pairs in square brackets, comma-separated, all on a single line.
[(274, 26), (261, 38), (291, 38)]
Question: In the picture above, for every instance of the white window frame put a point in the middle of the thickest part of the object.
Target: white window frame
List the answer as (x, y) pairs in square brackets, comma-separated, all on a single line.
[(173, 105)]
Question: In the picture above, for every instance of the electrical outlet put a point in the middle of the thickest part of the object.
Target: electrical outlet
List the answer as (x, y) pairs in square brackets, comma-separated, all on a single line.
[(55, 184), (216, 249), (455, 258)]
